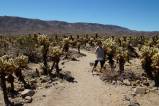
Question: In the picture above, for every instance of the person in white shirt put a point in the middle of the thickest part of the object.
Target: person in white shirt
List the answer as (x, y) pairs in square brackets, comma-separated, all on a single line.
[(100, 54)]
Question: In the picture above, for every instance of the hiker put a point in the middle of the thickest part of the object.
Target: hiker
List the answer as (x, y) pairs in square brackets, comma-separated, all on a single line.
[(78, 46), (66, 47), (100, 54)]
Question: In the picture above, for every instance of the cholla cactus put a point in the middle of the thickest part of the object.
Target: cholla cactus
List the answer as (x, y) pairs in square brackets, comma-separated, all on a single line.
[(43, 39), (91, 42), (122, 57), (148, 62), (66, 40), (91, 39), (55, 51), (148, 42), (157, 43), (6, 57), (121, 52), (155, 61), (145, 50), (4, 46), (21, 61), (155, 66), (109, 46), (4, 43), (7, 65), (109, 43), (148, 51)]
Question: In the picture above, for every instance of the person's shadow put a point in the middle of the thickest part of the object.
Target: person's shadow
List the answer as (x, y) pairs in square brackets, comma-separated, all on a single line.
[(67, 76)]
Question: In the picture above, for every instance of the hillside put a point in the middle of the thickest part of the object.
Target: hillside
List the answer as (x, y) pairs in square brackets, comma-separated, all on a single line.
[(10, 24)]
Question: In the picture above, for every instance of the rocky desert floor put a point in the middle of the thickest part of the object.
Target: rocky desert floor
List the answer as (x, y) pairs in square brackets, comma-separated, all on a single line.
[(90, 90)]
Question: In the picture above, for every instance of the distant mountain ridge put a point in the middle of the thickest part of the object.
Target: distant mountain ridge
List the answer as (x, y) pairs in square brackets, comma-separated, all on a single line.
[(19, 25), (9, 24)]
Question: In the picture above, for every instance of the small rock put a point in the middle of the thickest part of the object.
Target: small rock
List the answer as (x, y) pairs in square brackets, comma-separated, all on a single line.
[(113, 82), (148, 90), (102, 77), (33, 81), (126, 98), (138, 82), (20, 88), (33, 85), (27, 92), (63, 63), (91, 63), (140, 90), (47, 86), (74, 59), (133, 84), (151, 83), (108, 88), (28, 99), (154, 89), (126, 82), (134, 103), (119, 82), (43, 95), (43, 79), (146, 84), (40, 87), (49, 82), (133, 94), (17, 101)]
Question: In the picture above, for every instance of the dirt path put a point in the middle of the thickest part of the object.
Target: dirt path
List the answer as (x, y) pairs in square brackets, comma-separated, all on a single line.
[(89, 90)]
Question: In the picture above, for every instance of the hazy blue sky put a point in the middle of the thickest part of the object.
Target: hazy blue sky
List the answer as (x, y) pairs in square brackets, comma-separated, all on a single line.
[(133, 14)]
